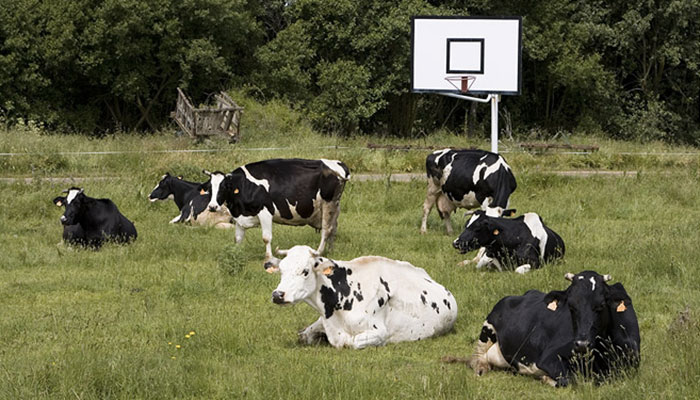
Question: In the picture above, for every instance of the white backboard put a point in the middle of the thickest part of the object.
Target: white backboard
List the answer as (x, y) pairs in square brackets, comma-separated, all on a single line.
[(488, 48)]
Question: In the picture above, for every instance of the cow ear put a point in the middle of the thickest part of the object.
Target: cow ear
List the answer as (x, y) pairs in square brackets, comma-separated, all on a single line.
[(569, 276), (205, 172), (617, 293), (325, 265), (179, 177), (553, 298), (59, 201)]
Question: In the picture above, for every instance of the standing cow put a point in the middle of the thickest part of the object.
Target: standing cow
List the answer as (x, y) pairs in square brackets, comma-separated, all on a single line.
[(540, 334), (285, 191), (466, 179), (98, 219), (368, 301), (191, 201), (524, 240)]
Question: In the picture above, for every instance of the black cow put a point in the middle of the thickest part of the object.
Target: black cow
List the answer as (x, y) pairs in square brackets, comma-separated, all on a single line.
[(191, 201), (285, 191), (589, 328), (97, 219), (524, 240), (467, 179)]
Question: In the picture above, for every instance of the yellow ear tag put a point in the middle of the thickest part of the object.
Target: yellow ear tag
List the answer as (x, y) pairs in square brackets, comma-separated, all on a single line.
[(236, 191), (328, 271), (621, 307), (179, 177), (59, 203), (553, 305), (202, 191), (496, 232)]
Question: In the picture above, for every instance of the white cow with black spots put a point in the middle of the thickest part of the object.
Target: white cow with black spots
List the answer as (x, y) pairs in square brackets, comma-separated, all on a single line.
[(367, 301)]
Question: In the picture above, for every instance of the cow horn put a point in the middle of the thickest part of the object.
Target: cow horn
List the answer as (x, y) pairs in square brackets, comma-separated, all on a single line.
[(281, 252), (569, 276), (606, 277), (314, 253), (467, 213), (205, 172)]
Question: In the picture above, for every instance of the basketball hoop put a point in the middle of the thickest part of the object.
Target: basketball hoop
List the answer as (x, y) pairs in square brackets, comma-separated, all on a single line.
[(465, 82)]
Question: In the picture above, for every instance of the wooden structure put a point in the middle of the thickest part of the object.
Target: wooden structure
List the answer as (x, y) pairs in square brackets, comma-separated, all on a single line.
[(543, 147), (224, 118)]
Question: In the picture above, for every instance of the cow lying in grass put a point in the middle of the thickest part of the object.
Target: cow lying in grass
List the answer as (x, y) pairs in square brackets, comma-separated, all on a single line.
[(368, 301), (524, 240), (589, 328), (191, 201), (88, 221)]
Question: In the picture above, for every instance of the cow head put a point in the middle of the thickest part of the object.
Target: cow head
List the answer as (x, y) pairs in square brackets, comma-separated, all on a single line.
[(74, 205), (478, 232), (216, 186), (299, 270), (162, 190), (589, 299)]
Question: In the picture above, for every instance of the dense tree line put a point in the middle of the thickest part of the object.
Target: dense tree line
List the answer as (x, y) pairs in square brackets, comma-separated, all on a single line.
[(629, 68)]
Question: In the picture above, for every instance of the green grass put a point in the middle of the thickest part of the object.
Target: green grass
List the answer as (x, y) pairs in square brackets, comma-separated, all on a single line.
[(93, 325)]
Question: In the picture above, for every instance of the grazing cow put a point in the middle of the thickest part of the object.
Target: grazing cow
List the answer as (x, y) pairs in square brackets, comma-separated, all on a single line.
[(466, 179), (589, 328), (285, 191), (191, 201), (72, 234), (525, 240), (368, 301), (99, 219)]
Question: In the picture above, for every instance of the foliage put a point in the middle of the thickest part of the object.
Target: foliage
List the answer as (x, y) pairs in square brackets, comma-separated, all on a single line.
[(91, 65)]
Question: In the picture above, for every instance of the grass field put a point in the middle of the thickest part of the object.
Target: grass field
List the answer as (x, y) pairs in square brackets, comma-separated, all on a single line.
[(82, 324)]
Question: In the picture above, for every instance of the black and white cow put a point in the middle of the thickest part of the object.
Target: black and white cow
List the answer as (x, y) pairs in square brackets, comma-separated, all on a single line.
[(72, 234), (525, 241), (368, 301), (466, 179), (99, 219), (589, 327), (285, 191), (192, 202)]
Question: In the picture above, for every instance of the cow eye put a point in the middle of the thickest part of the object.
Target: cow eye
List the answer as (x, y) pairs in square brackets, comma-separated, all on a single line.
[(305, 272)]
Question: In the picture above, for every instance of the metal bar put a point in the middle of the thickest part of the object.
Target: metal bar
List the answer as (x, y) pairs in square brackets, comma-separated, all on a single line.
[(494, 123), (470, 98)]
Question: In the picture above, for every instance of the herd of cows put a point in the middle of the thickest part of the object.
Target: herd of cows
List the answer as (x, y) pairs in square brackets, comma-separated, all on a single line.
[(590, 328)]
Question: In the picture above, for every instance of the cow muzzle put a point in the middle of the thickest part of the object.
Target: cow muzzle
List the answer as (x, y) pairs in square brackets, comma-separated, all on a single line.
[(64, 220), (278, 297), (214, 208), (460, 245), (581, 346)]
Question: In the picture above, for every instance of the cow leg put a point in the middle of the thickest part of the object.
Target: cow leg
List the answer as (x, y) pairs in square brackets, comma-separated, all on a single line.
[(430, 200), (486, 260), (479, 255), (265, 219), (175, 220), (523, 269), (240, 233), (329, 223), (372, 337), (314, 333), (445, 208), (480, 361)]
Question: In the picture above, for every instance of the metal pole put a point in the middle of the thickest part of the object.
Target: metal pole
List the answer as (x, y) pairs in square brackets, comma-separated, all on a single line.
[(494, 122)]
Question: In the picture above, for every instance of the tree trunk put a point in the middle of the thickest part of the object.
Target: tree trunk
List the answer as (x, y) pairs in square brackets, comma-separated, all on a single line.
[(402, 114)]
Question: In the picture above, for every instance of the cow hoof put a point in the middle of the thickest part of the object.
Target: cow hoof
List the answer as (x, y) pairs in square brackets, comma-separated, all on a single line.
[(523, 269), (272, 264)]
